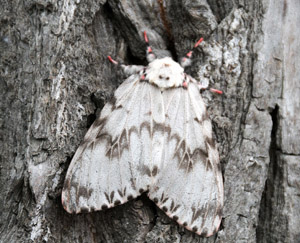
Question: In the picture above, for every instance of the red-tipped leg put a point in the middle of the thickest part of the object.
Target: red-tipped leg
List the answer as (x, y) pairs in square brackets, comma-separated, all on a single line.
[(145, 37), (186, 61), (150, 54), (127, 69), (149, 49), (216, 91), (112, 60), (189, 54), (198, 42)]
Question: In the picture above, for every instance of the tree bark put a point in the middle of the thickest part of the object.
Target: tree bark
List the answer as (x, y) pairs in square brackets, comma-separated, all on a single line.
[(55, 79)]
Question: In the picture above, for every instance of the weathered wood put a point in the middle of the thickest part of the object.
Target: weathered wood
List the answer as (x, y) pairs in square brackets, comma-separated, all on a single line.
[(55, 79)]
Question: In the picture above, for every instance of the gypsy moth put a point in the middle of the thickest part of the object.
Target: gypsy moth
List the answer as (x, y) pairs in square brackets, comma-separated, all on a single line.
[(155, 136)]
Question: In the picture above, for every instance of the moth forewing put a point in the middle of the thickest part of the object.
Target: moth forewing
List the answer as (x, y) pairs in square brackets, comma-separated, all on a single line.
[(189, 186)]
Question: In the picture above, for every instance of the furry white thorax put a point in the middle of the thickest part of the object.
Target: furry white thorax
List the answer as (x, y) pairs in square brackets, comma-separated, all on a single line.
[(165, 73)]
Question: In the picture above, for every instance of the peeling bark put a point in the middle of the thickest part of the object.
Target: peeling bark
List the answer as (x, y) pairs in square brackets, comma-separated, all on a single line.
[(55, 79)]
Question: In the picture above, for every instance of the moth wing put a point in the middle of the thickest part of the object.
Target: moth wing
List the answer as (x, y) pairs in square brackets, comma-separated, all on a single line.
[(189, 185), (112, 164)]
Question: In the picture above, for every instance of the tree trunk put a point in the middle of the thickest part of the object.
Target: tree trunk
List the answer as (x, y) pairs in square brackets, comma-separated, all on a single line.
[(55, 79)]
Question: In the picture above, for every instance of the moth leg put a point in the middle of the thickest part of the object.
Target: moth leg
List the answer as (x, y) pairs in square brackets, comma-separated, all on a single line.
[(131, 69), (186, 60), (150, 55), (217, 91), (204, 87), (127, 69)]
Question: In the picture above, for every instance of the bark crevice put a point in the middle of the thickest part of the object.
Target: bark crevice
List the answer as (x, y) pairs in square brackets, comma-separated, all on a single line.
[(270, 217)]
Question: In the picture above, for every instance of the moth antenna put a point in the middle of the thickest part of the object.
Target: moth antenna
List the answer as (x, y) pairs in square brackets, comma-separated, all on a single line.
[(186, 60), (150, 55)]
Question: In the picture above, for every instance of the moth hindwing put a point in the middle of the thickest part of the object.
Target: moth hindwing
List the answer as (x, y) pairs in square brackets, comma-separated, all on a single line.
[(156, 137)]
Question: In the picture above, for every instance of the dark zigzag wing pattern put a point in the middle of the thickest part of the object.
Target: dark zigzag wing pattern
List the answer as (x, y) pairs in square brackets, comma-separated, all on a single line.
[(189, 186), (114, 163), (150, 140)]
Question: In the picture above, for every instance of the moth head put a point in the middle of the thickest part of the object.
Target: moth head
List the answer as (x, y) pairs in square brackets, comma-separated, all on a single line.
[(165, 73)]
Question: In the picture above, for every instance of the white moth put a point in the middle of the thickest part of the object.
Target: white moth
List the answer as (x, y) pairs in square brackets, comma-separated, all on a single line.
[(155, 136)]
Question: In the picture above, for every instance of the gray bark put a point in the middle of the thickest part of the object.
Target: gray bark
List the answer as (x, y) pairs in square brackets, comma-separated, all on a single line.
[(55, 79)]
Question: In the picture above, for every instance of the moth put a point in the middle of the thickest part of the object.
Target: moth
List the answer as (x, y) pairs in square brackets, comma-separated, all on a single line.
[(155, 136)]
